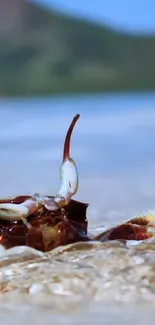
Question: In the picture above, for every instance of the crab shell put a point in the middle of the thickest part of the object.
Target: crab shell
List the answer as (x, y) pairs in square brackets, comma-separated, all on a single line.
[(48, 229), (45, 229)]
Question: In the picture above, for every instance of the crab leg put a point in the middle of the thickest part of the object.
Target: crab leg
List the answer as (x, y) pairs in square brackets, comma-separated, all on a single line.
[(68, 171), (144, 220), (13, 212)]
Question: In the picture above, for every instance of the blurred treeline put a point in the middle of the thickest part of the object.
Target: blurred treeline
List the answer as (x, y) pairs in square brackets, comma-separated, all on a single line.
[(44, 52)]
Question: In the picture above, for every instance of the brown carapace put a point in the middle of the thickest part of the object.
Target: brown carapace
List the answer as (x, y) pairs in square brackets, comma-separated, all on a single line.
[(46, 222)]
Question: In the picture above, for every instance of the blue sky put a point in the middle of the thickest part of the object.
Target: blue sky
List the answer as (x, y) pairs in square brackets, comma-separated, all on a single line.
[(132, 15)]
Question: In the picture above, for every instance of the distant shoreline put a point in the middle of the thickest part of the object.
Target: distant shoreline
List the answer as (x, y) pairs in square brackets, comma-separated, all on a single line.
[(82, 91), (47, 53)]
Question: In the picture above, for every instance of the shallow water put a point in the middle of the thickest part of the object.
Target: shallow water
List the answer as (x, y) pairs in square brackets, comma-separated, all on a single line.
[(113, 145)]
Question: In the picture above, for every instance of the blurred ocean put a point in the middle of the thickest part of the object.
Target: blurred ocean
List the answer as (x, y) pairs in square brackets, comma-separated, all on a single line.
[(113, 145)]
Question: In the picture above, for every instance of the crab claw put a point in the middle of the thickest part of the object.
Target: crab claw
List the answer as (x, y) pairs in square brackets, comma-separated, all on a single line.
[(68, 171), (13, 212)]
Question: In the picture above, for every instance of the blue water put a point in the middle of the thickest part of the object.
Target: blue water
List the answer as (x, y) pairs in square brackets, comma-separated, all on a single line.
[(113, 144), (114, 102)]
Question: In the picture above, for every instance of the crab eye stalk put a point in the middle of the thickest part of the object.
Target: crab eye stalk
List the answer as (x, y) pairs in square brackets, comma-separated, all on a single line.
[(11, 211), (68, 171)]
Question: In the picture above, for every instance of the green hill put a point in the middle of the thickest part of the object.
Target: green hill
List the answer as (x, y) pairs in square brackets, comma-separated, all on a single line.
[(44, 52)]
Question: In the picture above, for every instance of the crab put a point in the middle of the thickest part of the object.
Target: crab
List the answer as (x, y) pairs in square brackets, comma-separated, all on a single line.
[(46, 222)]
